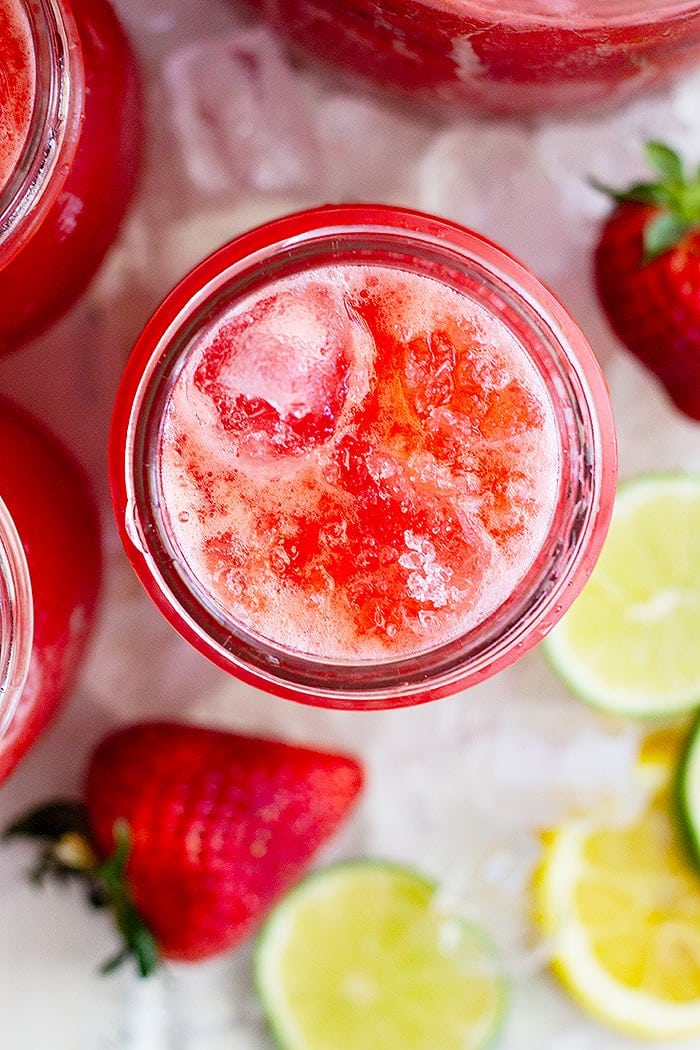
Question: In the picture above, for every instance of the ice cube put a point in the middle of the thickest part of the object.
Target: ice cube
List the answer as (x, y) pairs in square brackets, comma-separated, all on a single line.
[(156, 27), (487, 178), (512, 760), (279, 368), (350, 173), (686, 110), (573, 153), (240, 115), (427, 580)]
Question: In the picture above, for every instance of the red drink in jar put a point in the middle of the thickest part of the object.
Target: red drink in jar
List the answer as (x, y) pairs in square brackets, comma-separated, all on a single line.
[(49, 576), (361, 457), (17, 99), (518, 57), (69, 144)]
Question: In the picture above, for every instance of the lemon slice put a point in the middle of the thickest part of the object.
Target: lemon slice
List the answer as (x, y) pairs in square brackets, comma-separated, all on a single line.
[(360, 957), (622, 908), (629, 643)]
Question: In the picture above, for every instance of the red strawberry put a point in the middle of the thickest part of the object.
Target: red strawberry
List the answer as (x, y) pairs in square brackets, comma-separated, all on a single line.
[(647, 269), (211, 827)]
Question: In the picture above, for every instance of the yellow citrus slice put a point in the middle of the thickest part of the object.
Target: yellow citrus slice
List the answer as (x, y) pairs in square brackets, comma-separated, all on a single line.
[(621, 905)]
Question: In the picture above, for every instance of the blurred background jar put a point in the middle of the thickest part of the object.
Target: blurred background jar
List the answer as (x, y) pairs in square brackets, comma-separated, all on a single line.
[(70, 129), (49, 578), (509, 57)]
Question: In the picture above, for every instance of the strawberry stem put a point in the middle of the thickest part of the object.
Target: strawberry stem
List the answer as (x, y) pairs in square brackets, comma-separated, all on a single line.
[(675, 198), (67, 852), (139, 942)]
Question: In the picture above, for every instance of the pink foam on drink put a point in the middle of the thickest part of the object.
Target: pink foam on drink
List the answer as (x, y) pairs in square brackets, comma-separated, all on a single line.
[(17, 85), (358, 463)]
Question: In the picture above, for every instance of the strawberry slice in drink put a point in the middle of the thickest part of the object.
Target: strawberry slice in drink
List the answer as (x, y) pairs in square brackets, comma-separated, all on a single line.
[(411, 557), (478, 417)]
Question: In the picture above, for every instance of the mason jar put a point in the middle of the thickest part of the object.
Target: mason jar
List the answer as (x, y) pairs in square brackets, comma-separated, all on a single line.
[(70, 130), (361, 457), (50, 564)]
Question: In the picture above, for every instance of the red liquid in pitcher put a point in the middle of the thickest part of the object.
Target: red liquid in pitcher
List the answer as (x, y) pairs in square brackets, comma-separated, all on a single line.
[(515, 57)]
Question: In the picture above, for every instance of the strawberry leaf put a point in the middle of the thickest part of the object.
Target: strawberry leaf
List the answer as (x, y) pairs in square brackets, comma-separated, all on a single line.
[(689, 205), (654, 193), (115, 961), (51, 821), (63, 829), (113, 870), (662, 233), (665, 160), (676, 198)]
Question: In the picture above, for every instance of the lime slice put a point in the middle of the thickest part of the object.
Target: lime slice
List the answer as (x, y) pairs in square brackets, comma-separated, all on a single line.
[(629, 643), (688, 792), (360, 956), (621, 906)]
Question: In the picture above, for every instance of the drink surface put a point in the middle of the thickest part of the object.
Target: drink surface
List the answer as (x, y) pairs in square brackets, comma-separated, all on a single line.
[(358, 463), (17, 84)]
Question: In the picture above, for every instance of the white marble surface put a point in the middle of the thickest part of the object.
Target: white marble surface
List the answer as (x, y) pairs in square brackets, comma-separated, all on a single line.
[(457, 788)]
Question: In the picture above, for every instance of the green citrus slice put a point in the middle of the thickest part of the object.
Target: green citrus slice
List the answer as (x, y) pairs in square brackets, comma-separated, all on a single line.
[(629, 643), (360, 956)]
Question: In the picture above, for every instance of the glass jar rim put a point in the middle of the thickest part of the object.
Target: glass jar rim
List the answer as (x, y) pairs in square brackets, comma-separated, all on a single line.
[(16, 618), (625, 12), (46, 155), (298, 239)]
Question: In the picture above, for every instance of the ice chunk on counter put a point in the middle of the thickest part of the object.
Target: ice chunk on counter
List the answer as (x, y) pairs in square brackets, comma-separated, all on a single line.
[(240, 116)]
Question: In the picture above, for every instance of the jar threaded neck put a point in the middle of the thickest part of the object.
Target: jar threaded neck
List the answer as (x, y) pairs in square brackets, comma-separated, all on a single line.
[(16, 618)]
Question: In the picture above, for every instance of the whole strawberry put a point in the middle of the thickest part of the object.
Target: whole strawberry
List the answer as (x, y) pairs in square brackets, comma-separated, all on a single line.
[(647, 270), (194, 833)]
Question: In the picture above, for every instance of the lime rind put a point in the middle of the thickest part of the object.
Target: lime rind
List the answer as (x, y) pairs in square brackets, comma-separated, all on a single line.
[(628, 645), (632, 703), (374, 877), (687, 793)]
